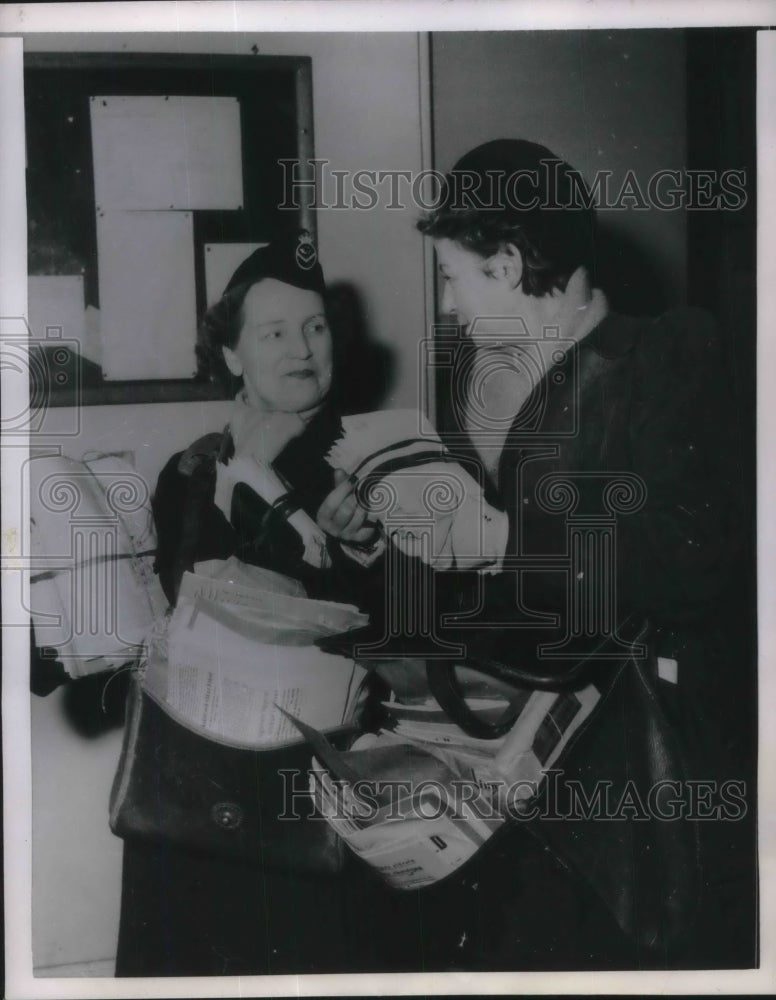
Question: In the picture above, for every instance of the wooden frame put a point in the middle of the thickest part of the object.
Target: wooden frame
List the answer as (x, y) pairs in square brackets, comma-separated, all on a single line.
[(60, 187)]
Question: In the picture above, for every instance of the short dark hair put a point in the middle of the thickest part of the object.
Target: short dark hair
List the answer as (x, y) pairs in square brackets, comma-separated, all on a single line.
[(554, 236), (220, 327), (486, 233)]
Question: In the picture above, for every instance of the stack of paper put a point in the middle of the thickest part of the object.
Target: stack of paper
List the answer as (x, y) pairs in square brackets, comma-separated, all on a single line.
[(406, 815), (429, 839), (399, 807), (236, 655), (418, 799), (233, 570)]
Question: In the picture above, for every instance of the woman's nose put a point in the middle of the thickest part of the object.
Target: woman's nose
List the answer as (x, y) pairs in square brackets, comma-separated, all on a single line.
[(300, 346), (448, 300)]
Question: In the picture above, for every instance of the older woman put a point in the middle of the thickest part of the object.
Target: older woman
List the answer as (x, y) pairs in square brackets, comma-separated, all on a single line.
[(253, 491)]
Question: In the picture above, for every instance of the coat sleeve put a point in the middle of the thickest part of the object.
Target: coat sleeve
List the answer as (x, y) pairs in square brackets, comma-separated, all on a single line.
[(683, 433), (189, 527), (680, 552)]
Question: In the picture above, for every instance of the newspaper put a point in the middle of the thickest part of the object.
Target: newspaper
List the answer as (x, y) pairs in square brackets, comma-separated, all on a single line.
[(233, 570), (236, 655), (400, 808), (420, 798), (512, 768), (268, 615), (411, 852)]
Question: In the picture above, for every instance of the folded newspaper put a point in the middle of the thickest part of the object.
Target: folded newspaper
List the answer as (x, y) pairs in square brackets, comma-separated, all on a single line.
[(397, 807), (428, 504), (236, 653), (419, 798)]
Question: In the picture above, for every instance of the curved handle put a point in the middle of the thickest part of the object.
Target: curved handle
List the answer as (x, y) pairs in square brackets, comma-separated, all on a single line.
[(444, 686)]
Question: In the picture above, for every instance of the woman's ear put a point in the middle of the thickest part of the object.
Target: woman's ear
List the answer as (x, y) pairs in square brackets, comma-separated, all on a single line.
[(233, 363), (507, 264)]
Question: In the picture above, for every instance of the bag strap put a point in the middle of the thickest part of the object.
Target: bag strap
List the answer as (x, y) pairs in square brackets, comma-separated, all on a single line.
[(444, 686), (121, 779)]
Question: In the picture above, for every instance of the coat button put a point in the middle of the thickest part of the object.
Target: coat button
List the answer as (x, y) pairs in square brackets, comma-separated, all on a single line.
[(227, 815)]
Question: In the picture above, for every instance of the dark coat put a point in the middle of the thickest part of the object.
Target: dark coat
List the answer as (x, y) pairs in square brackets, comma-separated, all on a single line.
[(654, 399), (191, 528), (650, 399), (646, 403)]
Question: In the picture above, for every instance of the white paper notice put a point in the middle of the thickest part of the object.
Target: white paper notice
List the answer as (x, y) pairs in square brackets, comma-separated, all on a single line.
[(221, 261), (56, 301), (167, 152), (147, 294), (56, 309)]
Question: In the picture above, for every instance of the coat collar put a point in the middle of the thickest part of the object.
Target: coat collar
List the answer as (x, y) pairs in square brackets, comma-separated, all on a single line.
[(614, 337), (611, 339)]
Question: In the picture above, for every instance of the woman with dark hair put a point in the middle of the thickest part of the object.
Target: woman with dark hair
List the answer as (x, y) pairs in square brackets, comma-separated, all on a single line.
[(579, 418), (252, 491)]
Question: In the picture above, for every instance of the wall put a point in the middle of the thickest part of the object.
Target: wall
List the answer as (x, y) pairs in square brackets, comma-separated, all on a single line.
[(367, 114), (612, 100)]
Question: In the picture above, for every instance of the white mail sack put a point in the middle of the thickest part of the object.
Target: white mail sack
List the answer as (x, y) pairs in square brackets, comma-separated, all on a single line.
[(93, 593), (428, 504)]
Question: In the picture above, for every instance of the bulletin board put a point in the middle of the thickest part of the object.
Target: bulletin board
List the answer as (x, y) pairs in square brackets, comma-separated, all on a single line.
[(146, 175)]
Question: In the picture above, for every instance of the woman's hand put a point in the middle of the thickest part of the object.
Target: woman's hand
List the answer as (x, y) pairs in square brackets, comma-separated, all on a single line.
[(341, 517)]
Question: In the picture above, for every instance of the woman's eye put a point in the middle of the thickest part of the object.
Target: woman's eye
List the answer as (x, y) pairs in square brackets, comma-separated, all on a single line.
[(274, 334), (318, 326)]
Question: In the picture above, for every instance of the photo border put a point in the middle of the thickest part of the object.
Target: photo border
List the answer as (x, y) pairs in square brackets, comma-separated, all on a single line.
[(50, 19)]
